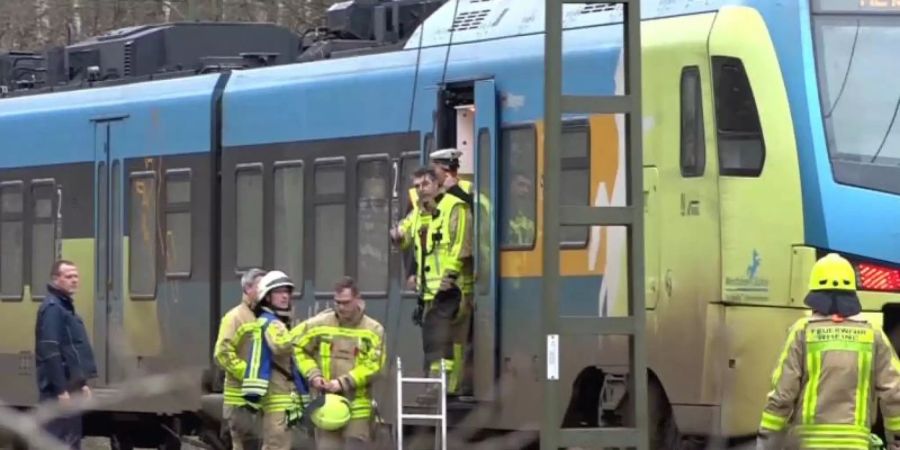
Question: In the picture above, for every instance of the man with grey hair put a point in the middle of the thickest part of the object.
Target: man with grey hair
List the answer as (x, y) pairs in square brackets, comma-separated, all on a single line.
[(231, 354)]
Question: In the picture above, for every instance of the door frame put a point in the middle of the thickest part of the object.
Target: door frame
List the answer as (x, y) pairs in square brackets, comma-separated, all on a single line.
[(106, 241)]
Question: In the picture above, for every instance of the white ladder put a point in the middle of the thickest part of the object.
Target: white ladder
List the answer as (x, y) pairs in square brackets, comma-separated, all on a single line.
[(442, 417)]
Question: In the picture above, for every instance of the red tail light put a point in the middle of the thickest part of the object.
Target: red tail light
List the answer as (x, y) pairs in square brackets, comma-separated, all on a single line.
[(878, 278)]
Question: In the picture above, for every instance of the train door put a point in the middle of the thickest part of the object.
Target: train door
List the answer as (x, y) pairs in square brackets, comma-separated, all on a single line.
[(467, 119), (761, 209), (108, 326), (683, 187), (485, 337), (758, 174)]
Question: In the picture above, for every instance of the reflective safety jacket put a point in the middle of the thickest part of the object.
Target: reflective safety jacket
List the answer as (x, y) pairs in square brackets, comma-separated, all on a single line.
[(466, 277), (275, 383), (351, 352), (446, 237), (826, 382), (233, 350)]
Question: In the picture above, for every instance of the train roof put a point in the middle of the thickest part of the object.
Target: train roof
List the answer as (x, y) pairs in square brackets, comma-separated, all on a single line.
[(130, 54), (466, 21), (505, 34)]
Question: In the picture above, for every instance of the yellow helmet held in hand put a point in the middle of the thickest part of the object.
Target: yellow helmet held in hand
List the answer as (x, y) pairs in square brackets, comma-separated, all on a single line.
[(832, 272), (333, 414)]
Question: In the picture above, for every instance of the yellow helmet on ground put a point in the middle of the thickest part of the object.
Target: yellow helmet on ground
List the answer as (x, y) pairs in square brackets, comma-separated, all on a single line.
[(832, 272), (333, 414)]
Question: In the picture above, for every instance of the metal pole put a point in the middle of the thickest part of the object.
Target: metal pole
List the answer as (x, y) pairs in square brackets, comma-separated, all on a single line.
[(399, 405), (550, 242), (443, 404), (553, 216), (635, 168)]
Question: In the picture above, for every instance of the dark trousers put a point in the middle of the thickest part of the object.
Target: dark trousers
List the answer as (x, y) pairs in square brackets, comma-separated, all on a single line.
[(66, 429), (437, 326)]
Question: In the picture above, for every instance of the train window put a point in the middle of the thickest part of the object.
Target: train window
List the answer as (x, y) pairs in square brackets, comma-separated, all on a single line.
[(575, 183), (11, 239), (142, 235), (741, 146), (330, 235), (43, 234), (249, 213), (484, 249), (693, 141), (518, 205), (373, 197), (178, 223), (288, 224)]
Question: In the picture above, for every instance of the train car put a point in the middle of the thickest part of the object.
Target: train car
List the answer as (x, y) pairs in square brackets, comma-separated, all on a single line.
[(768, 140)]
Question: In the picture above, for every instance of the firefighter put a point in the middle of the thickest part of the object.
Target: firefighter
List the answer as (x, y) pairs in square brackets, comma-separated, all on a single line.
[(445, 163), (269, 386), (341, 351), (441, 235), (231, 355), (833, 364)]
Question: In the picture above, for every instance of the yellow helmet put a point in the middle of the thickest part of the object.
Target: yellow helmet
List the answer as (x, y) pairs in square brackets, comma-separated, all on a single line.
[(832, 272), (333, 414)]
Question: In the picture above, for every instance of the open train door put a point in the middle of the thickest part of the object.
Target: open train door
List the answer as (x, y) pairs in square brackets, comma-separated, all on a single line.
[(486, 347)]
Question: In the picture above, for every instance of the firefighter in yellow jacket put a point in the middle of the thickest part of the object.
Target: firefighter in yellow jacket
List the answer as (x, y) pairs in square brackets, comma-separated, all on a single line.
[(833, 366), (340, 352), (441, 234), (231, 355), (256, 352), (268, 385)]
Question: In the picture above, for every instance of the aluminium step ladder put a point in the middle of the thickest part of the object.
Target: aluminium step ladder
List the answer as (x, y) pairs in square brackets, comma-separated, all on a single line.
[(442, 417)]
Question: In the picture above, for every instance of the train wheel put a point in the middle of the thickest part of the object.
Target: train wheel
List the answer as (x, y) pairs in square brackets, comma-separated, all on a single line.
[(663, 430), (120, 442), (170, 443)]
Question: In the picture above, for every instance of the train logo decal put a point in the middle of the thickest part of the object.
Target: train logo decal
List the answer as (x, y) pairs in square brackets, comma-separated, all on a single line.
[(749, 286)]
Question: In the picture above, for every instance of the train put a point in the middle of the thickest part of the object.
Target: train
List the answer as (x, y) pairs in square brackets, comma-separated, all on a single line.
[(769, 140)]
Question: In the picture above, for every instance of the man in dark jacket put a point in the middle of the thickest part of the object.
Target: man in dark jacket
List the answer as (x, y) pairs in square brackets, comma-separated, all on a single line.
[(65, 360)]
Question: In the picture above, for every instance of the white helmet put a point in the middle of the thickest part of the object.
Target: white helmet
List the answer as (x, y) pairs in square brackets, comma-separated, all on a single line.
[(446, 155), (272, 280)]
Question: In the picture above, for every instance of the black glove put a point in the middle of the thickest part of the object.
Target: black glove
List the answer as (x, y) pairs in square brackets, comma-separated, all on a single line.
[(417, 315)]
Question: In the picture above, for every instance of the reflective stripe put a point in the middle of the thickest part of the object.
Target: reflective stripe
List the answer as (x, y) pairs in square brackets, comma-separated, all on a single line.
[(328, 330), (811, 393), (833, 443), (360, 408), (792, 335), (864, 367), (270, 402), (325, 353), (456, 371), (842, 430), (233, 396), (773, 422), (277, 402), (251, 384), (892, 423)]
